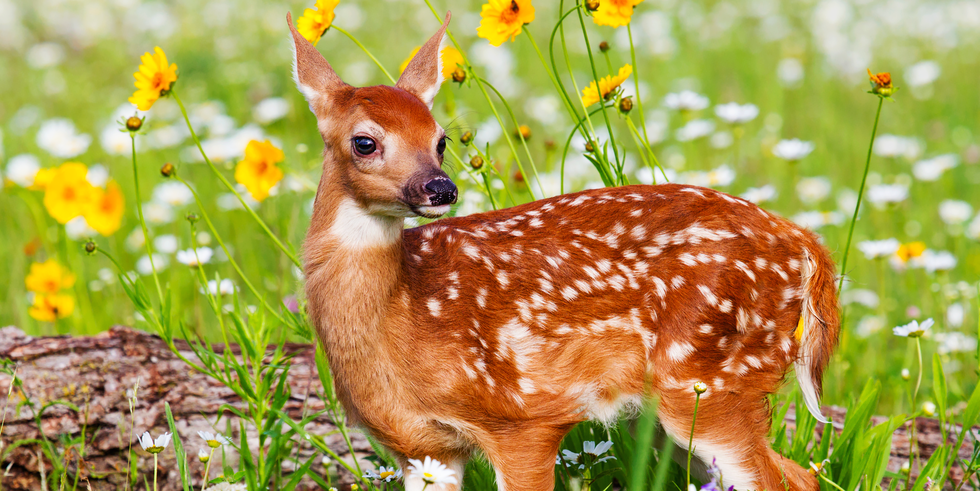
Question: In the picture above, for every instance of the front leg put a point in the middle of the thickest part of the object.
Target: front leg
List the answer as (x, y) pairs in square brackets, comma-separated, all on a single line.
[(524, 460)]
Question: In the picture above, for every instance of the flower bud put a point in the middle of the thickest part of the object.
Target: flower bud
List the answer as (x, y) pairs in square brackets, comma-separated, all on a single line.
[(192, 217), (929, 409), (603, 46), (466, 138), (905, 374), (700, 387), (519, 177), (459, 75), (523, 131), (626, 105), (476, 162), (589, 147), (592, 5), (167, 170), (91, 247), (203, 455), (134, 123)]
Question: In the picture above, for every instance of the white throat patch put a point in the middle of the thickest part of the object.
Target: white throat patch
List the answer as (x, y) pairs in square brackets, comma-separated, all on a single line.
[(355, 228)]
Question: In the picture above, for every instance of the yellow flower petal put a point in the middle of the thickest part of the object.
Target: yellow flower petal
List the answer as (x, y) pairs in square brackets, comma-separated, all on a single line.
[(614, 13), (607, 85), (48, 277), (49, 308), (68, 192), (258, 171), (503, 19), (105, 211), (153, 80), (317, 20)]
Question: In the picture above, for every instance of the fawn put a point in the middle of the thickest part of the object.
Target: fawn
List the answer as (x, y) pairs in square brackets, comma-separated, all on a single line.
[(500, 331)]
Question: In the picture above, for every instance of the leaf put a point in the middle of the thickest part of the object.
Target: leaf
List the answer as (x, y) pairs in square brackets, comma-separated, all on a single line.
[(939, 387), (178, 449), (248, 465)]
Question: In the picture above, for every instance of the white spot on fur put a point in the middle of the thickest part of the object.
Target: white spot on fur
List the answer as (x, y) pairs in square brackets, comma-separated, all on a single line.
[(680, 350), (435, 308)]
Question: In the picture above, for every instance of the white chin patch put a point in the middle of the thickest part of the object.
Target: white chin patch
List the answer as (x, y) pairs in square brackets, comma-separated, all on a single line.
[(433, 211)]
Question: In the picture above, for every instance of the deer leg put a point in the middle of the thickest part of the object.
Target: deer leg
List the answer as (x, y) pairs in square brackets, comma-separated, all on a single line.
[(731, 432), (525, 460)]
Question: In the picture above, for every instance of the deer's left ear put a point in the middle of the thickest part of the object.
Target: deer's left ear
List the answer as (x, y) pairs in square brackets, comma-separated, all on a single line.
[(423, 75)]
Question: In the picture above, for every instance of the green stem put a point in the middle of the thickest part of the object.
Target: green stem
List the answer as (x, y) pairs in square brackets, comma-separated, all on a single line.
[(155, 472), (207, 469), (857, 206), (690, 442), (365, 50), (231, 188), (481, 82), (595, 77), (554, 80), (636, 85), (139, 210), (231, 259), (913, 450)]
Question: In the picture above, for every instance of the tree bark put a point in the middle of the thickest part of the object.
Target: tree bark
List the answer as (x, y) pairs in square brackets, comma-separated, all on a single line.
[(97, 374)]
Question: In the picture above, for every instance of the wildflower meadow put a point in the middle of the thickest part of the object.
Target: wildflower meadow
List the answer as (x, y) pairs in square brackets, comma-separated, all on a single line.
[(159, 168)]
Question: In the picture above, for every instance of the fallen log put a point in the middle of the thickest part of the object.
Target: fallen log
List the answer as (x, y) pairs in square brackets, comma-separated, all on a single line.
[(97, 374)]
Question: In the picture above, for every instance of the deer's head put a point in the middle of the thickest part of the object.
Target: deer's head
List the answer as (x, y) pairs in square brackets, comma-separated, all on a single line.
[(381, 143)]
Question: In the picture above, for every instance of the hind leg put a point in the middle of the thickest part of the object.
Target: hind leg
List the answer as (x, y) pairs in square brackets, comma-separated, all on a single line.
[(731, 431)]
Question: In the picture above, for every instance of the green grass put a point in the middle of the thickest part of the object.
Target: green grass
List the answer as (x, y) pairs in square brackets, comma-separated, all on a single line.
[(242, 57)]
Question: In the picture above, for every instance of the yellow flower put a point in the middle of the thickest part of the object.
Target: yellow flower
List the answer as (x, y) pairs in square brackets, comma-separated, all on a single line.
[(450, 58), (314, 23), (608, 84), (48, 277), (105, 211), (910, 250), (504, 19), (68, 193), (153, 80), (49, 308), (258, 172), (614, 13), (42, 178)]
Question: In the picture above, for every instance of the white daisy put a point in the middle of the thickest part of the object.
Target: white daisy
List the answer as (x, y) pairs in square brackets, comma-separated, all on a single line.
[(874, 249), (932, 169), (922, 73), (165, 244), (686, 100), (188, 257), (214, 441), (955, 342), (813, 189), (792, 150), (144, 267), (60, 138), (888, 145), (760, 195), (21, 169), (735, 113), (431, 471), (913, 329), (934, 261), (224, 287), (816, 219), (77, 229), (269, 110), (203, 455), (698, 128), (172, 193), (386, 474), (881, 195), (955, 212), (154, 445)]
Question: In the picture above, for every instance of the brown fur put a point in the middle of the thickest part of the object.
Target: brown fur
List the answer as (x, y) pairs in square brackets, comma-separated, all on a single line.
[(500, 331)]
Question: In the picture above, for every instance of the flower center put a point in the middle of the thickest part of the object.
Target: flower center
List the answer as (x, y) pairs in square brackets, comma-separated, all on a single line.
[(509, 15)]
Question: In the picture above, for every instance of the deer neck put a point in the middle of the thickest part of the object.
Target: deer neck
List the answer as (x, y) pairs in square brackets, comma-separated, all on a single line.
[(353, 268)]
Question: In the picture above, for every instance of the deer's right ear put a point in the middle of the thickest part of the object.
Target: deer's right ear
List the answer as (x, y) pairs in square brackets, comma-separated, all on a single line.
[(314, 77)]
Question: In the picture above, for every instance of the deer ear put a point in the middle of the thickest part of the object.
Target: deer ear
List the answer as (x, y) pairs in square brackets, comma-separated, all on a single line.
[(423, 75), (314, 77)]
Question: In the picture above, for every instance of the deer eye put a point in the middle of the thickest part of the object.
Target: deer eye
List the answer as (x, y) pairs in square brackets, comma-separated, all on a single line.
[(441, 146), (364, 146)]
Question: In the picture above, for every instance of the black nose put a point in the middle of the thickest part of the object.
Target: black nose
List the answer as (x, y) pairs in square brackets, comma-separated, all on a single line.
[(442, 191)]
